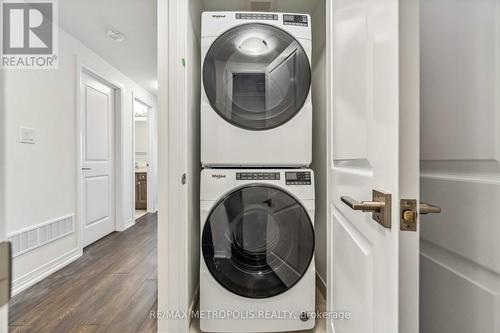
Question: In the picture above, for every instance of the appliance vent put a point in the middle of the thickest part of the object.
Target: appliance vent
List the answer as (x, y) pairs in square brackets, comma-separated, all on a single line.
[(261, 5), (34, 237)]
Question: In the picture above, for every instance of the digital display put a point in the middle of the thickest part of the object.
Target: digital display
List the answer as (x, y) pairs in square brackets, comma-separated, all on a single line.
[(298, 178), (295, 20)]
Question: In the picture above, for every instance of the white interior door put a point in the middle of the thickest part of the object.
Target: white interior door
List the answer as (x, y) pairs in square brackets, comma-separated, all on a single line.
[(460, 253), (373, 99), (97, 119)]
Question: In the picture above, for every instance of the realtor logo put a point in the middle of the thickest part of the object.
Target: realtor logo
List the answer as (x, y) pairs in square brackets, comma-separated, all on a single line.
[(29, 34)]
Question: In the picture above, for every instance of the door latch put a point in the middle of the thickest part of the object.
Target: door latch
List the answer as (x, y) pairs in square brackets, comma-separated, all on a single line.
[(409, 214), (5, 272), (380, 207)]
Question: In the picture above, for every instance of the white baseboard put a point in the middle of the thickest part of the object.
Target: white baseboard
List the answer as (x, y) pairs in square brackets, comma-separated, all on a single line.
[(130, 223), (40, 273)]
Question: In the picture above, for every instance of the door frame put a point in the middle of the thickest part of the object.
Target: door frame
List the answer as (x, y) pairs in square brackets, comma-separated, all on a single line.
[(152, 125), (4, 320), (118, 167)]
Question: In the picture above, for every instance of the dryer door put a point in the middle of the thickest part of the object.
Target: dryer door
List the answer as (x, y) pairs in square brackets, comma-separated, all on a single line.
[(258, 241), (256, 76)]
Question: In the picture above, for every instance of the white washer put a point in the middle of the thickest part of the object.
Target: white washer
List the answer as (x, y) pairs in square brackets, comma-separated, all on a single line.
[(256, 107), (257, 270)]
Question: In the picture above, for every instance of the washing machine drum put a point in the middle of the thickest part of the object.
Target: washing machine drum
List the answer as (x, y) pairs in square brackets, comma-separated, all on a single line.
[(258, 241), (256, 76)]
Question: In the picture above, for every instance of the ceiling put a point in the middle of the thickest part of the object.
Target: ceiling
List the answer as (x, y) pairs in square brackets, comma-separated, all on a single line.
[(136, 57)]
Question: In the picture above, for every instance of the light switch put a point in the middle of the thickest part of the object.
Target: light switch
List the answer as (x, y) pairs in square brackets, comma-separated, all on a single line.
[(27, 135)]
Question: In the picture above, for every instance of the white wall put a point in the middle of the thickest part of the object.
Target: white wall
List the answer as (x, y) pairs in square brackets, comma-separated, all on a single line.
[(141, 142), (319, 133), (42, 178)]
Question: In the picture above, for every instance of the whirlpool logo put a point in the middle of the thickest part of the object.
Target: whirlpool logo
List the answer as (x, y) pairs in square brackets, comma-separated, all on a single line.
[(218, 16), (218, 176)]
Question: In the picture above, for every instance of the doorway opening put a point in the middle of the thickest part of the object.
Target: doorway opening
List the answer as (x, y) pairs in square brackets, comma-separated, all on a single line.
[(141, 157), (144, 158)]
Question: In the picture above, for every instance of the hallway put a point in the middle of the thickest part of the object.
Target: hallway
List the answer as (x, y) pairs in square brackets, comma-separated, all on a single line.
[(111, 288)]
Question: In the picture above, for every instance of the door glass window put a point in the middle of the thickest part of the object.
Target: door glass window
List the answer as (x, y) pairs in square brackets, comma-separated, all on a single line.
[(256, 76), (258, 241)]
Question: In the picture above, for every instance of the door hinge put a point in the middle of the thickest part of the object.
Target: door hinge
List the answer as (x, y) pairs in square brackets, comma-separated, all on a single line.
[(5, 272), (183, 179)]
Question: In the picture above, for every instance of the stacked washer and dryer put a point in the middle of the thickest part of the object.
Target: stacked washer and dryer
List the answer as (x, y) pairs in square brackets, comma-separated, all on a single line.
[(257, 202)]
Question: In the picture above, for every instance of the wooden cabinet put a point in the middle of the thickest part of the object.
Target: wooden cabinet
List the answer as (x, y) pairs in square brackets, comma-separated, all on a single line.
[(141, 190)]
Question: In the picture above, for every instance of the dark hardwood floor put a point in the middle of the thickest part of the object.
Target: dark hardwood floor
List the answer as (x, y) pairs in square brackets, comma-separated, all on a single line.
[(111, 288)]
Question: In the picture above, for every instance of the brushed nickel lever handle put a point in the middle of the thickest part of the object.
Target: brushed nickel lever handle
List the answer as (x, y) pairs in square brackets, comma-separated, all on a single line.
[(365, 206), (380, 207), (426, 208)]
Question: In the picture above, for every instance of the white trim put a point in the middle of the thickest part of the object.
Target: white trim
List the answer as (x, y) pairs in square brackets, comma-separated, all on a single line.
[(24, 282), (129, 224), (468, 178), (329, 160)]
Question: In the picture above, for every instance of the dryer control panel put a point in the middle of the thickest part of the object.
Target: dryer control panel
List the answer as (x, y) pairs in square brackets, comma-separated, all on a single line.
[(256, 16), (257, 176), (298, 178)]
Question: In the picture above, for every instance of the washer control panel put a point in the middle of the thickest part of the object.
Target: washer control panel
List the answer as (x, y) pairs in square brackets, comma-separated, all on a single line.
[(298, 178), (300, 20), (257, 176), (256, 16)]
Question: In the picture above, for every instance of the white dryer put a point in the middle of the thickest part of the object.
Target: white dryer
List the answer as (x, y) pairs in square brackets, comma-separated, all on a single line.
[(257, 270), (256, 105)]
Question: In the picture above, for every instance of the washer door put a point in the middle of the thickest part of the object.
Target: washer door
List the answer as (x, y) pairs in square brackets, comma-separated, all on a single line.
[(256, 76), (258, 241)]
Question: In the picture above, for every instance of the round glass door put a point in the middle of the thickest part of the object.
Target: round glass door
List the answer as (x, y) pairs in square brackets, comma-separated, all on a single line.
[(256, 76), (258, 241)]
